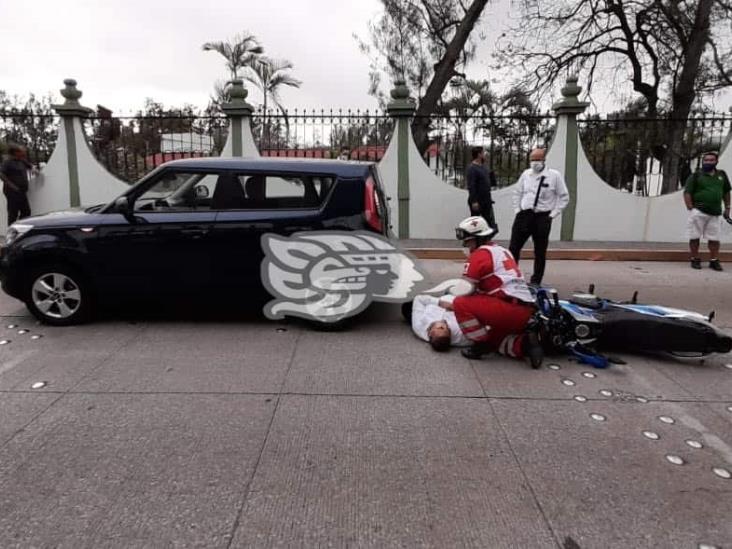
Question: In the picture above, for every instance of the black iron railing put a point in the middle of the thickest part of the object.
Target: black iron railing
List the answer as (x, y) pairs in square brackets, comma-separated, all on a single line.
[(631, 154), (356, 135), (130, 147), (36, 132), (507, 140), (635, 154)]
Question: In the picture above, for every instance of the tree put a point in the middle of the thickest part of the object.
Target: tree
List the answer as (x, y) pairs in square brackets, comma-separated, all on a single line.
[(134, 146), (29, 122), (269, 75), (509, 124), (239, 52), (671, 52), (426, 43), (366, 136)]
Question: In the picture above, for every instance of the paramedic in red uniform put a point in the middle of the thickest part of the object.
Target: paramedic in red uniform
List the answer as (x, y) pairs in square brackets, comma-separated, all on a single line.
[(497, 315)]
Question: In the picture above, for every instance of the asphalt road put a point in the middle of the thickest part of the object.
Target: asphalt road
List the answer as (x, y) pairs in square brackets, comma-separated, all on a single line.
[(158, 432)]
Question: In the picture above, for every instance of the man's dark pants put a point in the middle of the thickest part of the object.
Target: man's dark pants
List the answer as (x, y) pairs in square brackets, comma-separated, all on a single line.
[(485, 210), (18, 206), (537, 226)]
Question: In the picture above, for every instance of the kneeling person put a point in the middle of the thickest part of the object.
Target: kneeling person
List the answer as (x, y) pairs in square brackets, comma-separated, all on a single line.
[(497, 315)]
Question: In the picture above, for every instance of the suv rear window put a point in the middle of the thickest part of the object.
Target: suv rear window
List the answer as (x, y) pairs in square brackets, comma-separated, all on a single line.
[(285, 192), (274, 192)]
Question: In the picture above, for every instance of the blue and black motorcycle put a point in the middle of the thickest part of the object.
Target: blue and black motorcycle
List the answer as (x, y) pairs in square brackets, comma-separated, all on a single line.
[(588, 327)]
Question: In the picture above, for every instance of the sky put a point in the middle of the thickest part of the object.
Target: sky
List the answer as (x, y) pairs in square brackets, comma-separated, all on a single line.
[(123, 52)]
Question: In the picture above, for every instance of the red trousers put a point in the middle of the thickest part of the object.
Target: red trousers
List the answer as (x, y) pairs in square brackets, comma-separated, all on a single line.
[(492, 320)]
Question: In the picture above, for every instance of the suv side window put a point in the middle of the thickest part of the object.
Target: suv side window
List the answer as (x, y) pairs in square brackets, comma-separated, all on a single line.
[(174, 191), (280, 192)]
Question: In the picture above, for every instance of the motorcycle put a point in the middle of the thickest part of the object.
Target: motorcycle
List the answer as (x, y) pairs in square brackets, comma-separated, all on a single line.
[(587, 326)]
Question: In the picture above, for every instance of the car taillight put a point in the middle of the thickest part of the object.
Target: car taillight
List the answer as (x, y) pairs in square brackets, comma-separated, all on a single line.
[(372, 206)]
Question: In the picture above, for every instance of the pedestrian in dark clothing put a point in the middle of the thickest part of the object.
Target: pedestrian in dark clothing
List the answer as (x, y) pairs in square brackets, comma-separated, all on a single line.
[(480, 182), (14, 174)]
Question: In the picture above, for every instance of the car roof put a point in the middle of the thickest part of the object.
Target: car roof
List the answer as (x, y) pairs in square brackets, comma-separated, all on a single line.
[(341, 168)]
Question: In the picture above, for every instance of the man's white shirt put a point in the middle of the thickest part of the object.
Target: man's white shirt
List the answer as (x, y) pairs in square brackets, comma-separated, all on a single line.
[(553, 196), (426, 310)]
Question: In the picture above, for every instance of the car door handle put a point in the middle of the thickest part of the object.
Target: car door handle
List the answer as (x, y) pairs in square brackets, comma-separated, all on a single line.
[(194, 232)]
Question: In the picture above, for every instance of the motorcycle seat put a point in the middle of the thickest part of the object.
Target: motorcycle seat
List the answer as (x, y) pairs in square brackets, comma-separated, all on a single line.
[(586, 300)]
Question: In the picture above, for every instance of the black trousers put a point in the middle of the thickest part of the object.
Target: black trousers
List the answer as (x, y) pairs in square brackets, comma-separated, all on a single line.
[(18, 206), (485, 210), (537, 226)]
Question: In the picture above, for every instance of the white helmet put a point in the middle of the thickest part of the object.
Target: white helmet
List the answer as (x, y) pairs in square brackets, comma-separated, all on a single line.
[(474, 227)]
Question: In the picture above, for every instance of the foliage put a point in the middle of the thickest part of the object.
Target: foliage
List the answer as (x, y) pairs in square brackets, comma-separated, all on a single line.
[(674, 54), (425, 43), (239, 52), (30, 122), (269, 75)]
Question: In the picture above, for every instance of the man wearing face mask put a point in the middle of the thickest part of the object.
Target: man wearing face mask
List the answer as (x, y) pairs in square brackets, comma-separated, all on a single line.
[(704, 193), (540, 196)]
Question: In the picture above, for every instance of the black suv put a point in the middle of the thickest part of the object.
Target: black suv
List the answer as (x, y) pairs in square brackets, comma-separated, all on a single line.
[(189, 229)]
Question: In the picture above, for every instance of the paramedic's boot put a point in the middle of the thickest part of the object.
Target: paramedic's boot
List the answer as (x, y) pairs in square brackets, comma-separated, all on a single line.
[(531, 348), (715, 265), (695, 263), (476, 351)]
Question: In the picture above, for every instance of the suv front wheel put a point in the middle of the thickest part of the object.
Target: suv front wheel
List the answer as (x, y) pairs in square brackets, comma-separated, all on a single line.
[(58, 295)]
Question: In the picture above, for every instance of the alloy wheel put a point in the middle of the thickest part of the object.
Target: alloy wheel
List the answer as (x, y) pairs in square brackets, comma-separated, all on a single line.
[(56, 295)]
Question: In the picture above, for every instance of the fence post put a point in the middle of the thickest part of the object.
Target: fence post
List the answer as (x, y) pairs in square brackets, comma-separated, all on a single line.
[(567, 110), (727, 139), (401, 109), (239, 113), (70, 111)]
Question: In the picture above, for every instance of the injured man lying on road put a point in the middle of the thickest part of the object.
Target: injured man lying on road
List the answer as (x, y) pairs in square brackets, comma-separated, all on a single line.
[(495, 315), (434, 321)]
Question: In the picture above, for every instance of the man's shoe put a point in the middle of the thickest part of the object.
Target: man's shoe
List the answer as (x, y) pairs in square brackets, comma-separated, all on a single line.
[(475, 352), (532, 350), (695, 263), (715, 265)]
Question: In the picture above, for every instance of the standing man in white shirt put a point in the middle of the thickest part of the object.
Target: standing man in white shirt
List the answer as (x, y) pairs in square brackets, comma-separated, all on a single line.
[(539, 197)]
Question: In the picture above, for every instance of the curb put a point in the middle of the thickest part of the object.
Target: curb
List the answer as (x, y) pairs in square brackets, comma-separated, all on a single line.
[(577, 254)]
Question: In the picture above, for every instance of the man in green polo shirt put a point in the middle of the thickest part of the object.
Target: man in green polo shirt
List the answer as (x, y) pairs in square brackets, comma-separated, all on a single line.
[(704, 193)]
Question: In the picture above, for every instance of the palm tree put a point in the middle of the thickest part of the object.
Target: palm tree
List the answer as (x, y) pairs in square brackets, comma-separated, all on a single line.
[(240, 52), (269, 75)]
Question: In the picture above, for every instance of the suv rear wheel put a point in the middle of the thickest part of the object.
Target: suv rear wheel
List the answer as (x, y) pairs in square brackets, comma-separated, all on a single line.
[(58, 295)]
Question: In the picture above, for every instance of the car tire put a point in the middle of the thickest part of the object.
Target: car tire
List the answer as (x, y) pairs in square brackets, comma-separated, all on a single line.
[(59, 295), (407, 311)]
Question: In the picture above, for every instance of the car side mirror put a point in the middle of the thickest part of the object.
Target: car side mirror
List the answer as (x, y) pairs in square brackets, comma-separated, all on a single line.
[(123, 206), (202, 191)]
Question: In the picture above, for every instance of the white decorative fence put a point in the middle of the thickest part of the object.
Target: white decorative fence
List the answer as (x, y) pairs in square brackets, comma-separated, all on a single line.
[(422, 204)]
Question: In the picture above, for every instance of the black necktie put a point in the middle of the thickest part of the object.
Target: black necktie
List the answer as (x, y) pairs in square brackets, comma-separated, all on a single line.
[(538, 190)]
